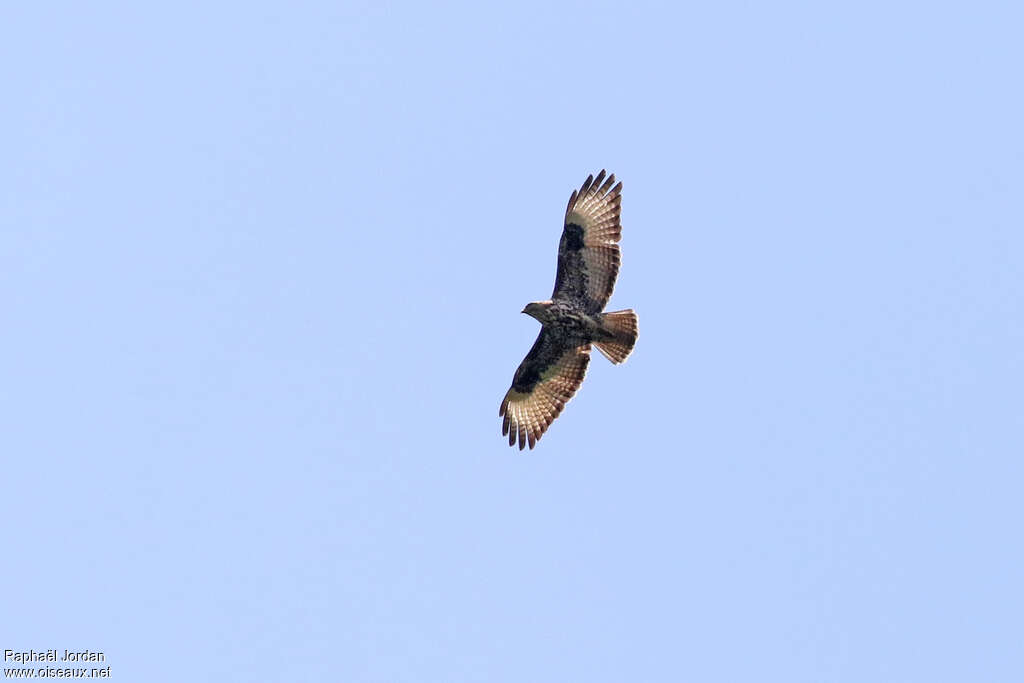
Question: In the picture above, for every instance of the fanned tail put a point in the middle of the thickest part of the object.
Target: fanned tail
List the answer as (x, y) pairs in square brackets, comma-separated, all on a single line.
[(623, 327)]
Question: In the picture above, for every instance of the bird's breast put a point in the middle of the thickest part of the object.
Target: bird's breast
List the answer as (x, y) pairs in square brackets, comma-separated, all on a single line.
[(574, 324)]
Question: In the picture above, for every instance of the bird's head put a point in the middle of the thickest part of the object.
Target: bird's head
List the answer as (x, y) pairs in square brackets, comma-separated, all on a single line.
[(538, 310)]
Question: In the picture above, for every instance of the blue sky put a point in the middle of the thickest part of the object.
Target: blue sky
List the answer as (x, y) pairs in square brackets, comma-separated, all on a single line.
[(262, 269)]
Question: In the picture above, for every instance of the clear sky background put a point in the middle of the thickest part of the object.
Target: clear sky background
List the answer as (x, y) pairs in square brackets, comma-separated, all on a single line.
[(261, 270)]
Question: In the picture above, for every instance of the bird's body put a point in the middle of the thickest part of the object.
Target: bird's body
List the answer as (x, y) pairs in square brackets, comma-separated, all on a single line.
[(569, 320), (588, 263)]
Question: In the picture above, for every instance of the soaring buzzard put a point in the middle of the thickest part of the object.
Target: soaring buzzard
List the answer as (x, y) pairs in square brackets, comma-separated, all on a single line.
[(588, 261)]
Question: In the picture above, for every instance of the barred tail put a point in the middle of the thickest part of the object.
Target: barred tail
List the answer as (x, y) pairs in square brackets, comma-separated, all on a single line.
[(623, 327)]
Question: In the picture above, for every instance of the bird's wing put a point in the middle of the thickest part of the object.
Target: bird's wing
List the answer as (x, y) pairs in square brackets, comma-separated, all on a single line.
[(546, 379), (588, 253)]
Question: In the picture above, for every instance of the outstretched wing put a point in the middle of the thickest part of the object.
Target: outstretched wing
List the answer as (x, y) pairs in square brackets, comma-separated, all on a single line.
[(545, 381), (588, 253)]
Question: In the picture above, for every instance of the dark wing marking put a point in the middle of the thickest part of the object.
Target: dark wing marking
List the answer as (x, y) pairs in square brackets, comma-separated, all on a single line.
[(588, 253), (545, 381)]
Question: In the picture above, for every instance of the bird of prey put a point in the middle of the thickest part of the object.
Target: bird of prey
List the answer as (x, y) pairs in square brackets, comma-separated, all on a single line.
[(588, 262)]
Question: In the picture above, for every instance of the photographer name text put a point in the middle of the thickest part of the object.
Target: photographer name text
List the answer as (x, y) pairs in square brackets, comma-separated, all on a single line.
[(54, 656)]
